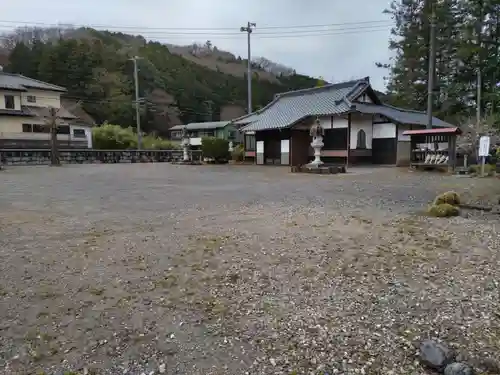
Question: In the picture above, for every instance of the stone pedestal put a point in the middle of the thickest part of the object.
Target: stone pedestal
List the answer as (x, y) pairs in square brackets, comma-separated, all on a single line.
[(185, 150), (317, 145)]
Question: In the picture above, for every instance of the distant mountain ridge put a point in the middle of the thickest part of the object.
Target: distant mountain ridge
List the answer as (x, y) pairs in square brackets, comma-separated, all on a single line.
[(178, 84)]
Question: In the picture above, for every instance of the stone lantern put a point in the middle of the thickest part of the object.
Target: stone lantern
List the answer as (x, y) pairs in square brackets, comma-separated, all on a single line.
[(317, 133)]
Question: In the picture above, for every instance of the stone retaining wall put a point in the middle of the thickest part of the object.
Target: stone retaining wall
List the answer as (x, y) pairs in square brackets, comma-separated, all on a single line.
[(85, 156)]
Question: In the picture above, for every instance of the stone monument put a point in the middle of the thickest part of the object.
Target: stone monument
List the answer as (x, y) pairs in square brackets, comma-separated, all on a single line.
[(316, 133), (185, 145)]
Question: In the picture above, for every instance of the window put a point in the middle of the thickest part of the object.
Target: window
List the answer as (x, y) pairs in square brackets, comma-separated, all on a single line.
[(63, 129), (31, 99), (79, 133), (176, 134), (249, 142), (207, 133), (9, 102), (361, 143), (27, 128), (231, 134), (39, 128)]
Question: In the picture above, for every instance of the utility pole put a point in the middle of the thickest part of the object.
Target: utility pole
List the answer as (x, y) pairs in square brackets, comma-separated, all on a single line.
[(432, 67), (54, 151), (248, 29), (137, 104), (479, 78)]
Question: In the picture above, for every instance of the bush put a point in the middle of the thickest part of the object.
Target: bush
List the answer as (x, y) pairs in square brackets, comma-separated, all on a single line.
[(443, 210), (238, 154), (489, 169), (450, 197), (114, 137), (216, 149), (150, 142)]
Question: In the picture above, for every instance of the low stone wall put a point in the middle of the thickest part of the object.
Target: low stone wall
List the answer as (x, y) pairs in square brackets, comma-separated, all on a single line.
[(87, 156)]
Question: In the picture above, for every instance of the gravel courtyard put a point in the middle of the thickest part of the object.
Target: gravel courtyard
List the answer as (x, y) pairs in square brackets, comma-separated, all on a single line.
[(156, 268)]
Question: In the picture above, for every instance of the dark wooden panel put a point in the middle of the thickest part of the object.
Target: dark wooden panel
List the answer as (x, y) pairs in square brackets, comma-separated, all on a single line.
[(384, 150)]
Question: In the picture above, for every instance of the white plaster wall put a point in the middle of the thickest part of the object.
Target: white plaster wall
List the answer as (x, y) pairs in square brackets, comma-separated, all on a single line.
[(259, 147), (43, 98), (364, 99), (401, 129), (285, 146), (384, 131), (358, 123), (333, 122)]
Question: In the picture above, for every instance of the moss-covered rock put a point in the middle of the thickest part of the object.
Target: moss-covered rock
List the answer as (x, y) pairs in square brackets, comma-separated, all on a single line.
[(449, 197), (443, 210)]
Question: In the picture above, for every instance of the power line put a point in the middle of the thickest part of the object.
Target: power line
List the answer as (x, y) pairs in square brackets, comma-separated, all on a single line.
[(262, 37), (208, 34), (25, 23)]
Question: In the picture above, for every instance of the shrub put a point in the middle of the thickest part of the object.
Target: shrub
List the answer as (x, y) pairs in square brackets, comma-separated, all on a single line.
[(443, 210), (450, 197), (114, 137), (150, 142), (489, 169), (238, 154), (216, 149)]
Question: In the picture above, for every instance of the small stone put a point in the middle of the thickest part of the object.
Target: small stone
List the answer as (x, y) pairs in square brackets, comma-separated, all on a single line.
[(458, 368), (273, 361), (435, 355), (162, 368)]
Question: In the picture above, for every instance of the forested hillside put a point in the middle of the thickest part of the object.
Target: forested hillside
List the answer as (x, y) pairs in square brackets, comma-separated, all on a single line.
[(468, 40), (96, 69)]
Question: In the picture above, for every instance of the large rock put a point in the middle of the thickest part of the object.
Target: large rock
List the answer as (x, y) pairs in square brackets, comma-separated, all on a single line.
[(435, 355), (457, 368)]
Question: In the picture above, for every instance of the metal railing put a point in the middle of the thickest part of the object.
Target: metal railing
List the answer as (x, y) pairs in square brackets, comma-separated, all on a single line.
[(91, 156)]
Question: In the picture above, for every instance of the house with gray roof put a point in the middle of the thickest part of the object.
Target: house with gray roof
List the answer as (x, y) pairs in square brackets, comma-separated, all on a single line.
[(25, 105), (359, 128), (197, 130)]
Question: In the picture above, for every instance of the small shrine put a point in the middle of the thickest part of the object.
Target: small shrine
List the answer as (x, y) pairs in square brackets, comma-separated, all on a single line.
[(434, 148)]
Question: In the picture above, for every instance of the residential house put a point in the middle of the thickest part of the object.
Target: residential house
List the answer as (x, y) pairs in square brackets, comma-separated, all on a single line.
[(359, 128), (25, 105), (198, 130)]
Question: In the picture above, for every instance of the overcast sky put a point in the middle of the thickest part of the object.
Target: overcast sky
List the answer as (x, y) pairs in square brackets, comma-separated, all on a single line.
[(336, 53)]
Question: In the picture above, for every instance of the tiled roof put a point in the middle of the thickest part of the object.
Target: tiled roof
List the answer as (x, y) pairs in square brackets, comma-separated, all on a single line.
[(202, 125), (44, 112), (290, 107), (454, 130), (15, 112), (403, 116), (19, 82)]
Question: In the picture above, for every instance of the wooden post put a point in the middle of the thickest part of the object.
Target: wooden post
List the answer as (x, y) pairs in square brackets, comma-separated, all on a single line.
[(348, 139), (54, 152)]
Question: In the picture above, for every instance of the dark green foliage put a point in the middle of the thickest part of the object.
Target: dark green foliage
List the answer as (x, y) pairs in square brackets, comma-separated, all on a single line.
[(97, 70), (114, 137), (461, 51), (216, 149)]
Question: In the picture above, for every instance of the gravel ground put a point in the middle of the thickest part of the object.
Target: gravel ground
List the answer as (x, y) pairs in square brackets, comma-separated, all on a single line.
[(131, 269)]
